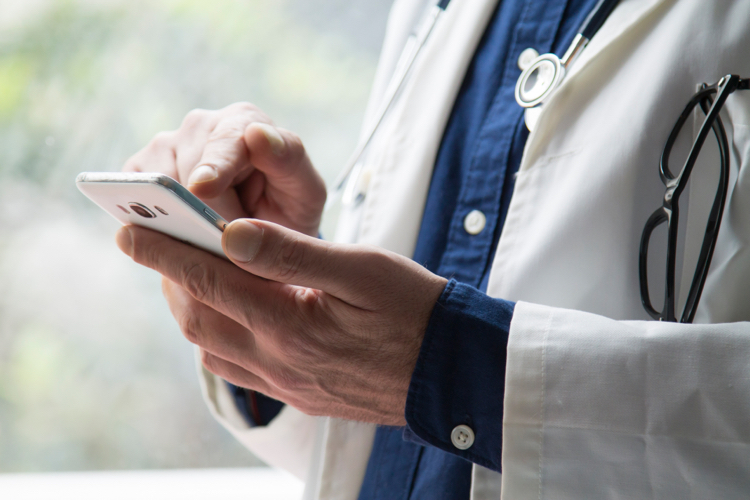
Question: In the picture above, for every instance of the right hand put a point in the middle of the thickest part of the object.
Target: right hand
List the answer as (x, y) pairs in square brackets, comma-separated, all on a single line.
[(331, 329), (241, 165)]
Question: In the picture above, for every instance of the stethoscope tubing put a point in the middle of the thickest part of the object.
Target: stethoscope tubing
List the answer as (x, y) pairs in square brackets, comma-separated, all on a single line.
[(590, 26), (596, 18), (403, 66)]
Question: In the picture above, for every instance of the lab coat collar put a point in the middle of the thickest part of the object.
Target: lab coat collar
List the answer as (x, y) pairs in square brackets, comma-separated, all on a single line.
[(623, 22)]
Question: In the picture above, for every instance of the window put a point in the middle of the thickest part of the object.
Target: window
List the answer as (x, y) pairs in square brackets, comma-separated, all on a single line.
[(94, 373)]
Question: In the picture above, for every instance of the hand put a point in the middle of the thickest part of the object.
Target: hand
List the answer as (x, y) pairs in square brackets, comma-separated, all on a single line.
[(237, 161), (329, 329)]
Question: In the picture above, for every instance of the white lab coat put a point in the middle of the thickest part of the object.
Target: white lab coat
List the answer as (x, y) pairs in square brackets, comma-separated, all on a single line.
[(599, 402)]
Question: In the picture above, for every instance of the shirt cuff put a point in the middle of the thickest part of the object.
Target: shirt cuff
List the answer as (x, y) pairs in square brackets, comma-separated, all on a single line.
[(257, 409), (459, 378)]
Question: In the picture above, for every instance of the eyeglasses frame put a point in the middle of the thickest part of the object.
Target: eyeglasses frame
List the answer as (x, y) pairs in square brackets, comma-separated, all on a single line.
[(675, 185)]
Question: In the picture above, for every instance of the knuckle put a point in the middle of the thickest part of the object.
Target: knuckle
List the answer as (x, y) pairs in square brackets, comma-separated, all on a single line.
[(144, 253), (194, 117), (190, 328), (199, 281), (162, 140), (132, 165), (243, 107), (290, 258), (208, 362), (230, 132)]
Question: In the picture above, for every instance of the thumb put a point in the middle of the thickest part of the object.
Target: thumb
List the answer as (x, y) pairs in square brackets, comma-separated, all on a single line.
[(280, 254)]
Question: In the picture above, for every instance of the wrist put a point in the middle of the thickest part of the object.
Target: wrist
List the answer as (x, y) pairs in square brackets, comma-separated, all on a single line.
[(409, 354)]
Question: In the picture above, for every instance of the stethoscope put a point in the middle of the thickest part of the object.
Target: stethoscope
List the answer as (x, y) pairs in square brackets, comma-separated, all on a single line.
[(541, 76)]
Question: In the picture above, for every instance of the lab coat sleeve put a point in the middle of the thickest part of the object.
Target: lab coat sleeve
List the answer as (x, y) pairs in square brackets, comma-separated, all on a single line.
[(459, 377), (285, 442), (597, 408)]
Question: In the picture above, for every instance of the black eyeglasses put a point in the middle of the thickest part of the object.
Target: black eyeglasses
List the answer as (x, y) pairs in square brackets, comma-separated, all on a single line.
[(711, 99)]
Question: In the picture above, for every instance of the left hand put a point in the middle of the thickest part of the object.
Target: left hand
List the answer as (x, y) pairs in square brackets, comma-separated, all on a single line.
[(330, 329), (241, 164)]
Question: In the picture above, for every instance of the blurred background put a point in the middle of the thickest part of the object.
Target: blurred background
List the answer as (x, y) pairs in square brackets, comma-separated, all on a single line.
[(94, 374)]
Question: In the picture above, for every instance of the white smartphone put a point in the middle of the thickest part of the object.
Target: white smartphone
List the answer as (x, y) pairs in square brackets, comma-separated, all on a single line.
[(157, 202)]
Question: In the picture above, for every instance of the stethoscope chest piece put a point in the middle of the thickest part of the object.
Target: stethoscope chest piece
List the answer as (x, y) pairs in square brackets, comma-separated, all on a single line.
[(539, 80), (541, 76)]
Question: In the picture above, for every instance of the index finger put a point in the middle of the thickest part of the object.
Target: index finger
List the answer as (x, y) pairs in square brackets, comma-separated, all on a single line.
[(225, 159), (210, 279)]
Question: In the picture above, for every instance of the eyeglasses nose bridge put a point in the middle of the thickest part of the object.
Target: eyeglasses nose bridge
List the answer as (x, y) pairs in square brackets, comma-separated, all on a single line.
[(672, 193)]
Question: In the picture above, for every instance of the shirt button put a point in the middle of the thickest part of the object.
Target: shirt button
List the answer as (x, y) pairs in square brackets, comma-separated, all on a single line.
[(526, 58), (474, 222), (462, 437)]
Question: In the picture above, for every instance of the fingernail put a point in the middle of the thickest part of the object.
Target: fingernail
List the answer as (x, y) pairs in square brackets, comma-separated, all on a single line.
[(243, 240), (278, 146), (204, 173), (124, 240)]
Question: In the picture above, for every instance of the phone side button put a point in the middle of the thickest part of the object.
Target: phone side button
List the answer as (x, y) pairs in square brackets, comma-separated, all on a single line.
[(210, 214)]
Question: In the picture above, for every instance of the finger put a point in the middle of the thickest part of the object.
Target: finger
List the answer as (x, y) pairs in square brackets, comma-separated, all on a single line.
[(204, 326), (276, 253), (193, 134), (209, 279), (251, 191), (196, 130), (225, 160), (282, 158), (276, 152), (234, 374), (157, 156)]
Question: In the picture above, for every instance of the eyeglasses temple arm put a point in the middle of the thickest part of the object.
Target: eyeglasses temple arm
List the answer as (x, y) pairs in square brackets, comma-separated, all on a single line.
[(712, 225)]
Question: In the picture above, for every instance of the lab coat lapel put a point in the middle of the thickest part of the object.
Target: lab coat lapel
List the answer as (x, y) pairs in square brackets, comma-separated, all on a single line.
[(401, 157), (399, 164), (622, 22)]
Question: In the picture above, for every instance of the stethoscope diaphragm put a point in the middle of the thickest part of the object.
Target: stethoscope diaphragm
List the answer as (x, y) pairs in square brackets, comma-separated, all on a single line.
[(543, 75), (539, 80)]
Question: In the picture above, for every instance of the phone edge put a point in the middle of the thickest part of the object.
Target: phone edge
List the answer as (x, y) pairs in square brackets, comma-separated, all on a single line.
[(206, 212)]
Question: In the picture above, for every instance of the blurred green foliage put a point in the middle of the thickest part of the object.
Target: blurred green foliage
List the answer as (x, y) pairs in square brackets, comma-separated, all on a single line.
[(94, 374)]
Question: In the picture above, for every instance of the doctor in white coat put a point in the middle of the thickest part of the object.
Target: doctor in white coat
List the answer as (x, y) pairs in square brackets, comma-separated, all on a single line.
[(600, 401)]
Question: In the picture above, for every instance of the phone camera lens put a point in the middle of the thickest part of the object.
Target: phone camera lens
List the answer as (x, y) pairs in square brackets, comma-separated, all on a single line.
[(161, 209), (141, 210)]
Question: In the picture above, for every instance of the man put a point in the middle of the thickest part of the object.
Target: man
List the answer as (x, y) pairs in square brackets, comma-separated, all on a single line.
[(567, 391)]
